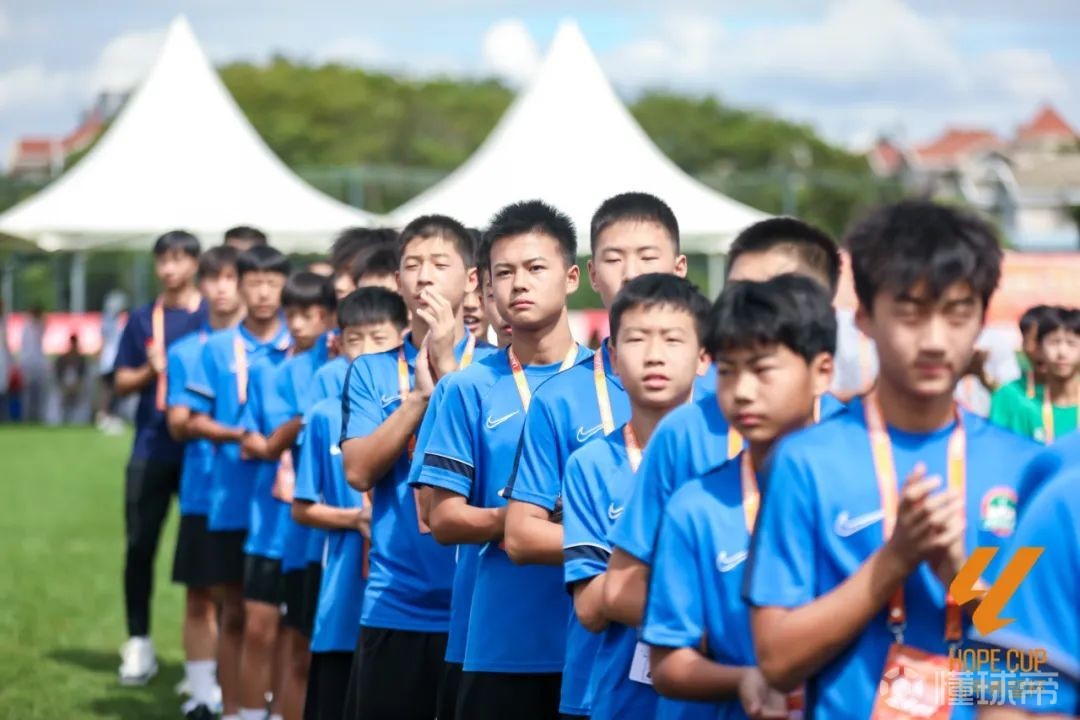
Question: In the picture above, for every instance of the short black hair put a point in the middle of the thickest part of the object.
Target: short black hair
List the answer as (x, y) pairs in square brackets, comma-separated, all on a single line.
[(633, 207), (1032, 317), (814, 248), (180, 240), (654, 290), (371, 305), (352, 241), (246, 233), (1058, 318), (306, 289), (216, 259), (381, 259), (790, 310), (532, 216), (897, 246), (428, 226), (262, 258)]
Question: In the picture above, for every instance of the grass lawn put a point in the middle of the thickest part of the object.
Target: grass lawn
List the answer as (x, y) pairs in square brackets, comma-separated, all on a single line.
[(61, 596)]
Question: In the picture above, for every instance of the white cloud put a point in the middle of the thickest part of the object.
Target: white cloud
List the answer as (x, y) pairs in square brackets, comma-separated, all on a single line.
[(5, 22), (510, 51), (126, 60), (34, 86)]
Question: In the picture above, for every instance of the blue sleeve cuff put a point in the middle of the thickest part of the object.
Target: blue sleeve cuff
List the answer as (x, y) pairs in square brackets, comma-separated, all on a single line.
[(630, 546), (670, 637), (440, 478), (516, 492), (577, 569)]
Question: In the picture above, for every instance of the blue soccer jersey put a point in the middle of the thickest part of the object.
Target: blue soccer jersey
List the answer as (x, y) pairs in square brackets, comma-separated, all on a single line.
[(183, 356), (320, 478), (687, 443), (1062, 455), (696, 582), (219, 389), (410, 573), (820, 521), (471, 452), (269, 513), (1045, 610)]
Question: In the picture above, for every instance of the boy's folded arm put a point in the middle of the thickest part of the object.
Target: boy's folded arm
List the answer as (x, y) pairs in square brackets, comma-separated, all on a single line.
[(684, 673), (626, 587), (368, 458), (283, 437), (204, 426), (326, 517), (454, 522), (531, 536), (589, 603)]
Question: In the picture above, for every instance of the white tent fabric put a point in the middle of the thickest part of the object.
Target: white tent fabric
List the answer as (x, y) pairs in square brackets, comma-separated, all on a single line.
[(568, 140), (181, 154)]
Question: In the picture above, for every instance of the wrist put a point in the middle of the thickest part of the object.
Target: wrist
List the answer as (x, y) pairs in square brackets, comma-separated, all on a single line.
[(417, 398), (895, 564)]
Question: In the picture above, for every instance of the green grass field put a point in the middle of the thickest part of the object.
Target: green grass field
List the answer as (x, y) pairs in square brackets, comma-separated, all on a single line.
[(61, 596)]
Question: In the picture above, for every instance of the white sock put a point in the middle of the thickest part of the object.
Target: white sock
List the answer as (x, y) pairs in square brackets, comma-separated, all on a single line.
[(249, 714), (202, 679), (230, 717), (276, 717)]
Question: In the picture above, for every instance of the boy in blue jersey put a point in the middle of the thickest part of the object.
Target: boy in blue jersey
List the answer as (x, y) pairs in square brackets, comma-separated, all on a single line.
[(696, 438), (217, 284), (850, 563), (772, 343), (403, 624), (371, 320), (219, 390), (377, 266), (1041, 618), (308, 301), (631, 234), (656, 332), (516, 636), (153, 472)]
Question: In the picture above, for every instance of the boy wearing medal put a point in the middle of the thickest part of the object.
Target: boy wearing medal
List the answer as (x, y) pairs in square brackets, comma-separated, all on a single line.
[(153, 472), (406, 612), (657, 326), (516, 633), (868, 516)]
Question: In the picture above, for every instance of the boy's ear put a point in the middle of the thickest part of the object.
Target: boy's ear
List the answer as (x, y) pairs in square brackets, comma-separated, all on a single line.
[(680, 266), (703, 362), (821, 373), (573, 279), (591, 269), (862, 320), (472, 280)]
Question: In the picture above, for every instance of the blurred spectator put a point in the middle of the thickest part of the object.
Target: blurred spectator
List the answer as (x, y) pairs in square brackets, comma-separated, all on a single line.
[(71, 378), (6, 366), (35, 368), (107, 418)]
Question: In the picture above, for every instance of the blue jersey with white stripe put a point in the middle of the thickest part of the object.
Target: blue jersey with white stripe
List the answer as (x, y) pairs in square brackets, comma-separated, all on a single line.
[(185, 355)]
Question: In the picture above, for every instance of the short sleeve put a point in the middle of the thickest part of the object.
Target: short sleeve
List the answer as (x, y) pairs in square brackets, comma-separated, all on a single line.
[(309, 467), (675, 610), (361, 409), (202, 381), (281, 405), (131, 352), (450, 456), (635, 532), (585, 546), (176, 377), (537, 477), (423, 436), (781, 568)]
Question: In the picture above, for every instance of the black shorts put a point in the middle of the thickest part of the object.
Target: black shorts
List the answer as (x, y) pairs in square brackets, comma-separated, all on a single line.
[(327, 680), (262, 580), (395, 675), (522, 696), (309, 606), (292, 589), (193, 563), (448, 691), (227, 551)]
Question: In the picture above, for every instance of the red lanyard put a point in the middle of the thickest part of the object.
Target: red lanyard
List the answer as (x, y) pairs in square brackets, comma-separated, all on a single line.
[(885, 469), (157, 344), (522, 382)]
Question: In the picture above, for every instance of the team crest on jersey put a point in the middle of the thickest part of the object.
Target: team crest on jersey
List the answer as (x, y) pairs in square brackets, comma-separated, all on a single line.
[(998, 511)]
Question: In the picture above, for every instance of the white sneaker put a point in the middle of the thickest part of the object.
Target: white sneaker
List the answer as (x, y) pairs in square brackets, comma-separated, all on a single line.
[(138, 662), (183, 688)]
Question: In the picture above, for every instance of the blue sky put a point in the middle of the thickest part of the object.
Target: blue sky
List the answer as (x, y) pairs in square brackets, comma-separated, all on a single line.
[(851, 68)]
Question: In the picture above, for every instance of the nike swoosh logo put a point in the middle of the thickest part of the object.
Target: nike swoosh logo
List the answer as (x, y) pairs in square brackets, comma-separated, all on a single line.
[(726, 562), (846, 526), (387, 399), (583, 434), (613, 512), (335, 449), (493, 423)]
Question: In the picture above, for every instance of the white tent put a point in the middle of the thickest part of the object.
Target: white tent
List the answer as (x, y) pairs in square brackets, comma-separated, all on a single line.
[(569, 140), (181, 154)]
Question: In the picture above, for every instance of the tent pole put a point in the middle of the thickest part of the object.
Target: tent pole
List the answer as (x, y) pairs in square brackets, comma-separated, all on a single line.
[(77, 275), (7, 282), (716, 264)]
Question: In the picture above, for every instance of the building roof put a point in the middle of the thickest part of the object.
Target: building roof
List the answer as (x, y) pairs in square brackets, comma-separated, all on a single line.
[(1047, 124), (955, 144)]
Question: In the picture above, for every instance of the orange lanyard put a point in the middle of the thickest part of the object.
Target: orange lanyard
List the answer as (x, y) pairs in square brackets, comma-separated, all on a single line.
[(603, 400), (885, 469), (1031, 384), (404, 385), (240, 356), (157, 344), (735, 438), (633, 447), (751, 496), (1048, 416), (523, 383)]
